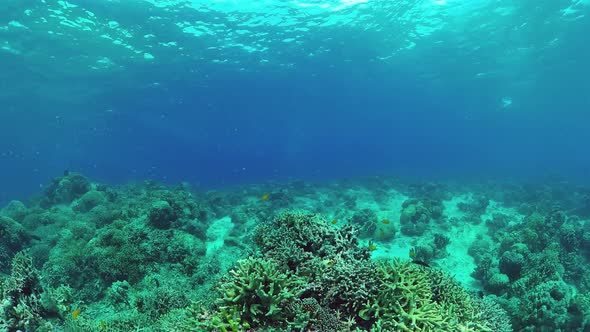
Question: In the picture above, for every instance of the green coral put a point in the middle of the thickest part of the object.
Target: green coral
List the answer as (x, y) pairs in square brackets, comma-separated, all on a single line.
[(412, 298), (403, 300), (417, 213), (65, 189), (344, 289), (258, 291), (20, 306)]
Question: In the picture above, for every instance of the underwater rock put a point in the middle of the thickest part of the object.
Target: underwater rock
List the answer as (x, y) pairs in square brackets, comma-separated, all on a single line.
[(161, 215), (15, 210)]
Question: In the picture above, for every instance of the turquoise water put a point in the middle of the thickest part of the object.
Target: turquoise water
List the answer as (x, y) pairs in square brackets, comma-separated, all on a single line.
[(147, 146), (228, 92)]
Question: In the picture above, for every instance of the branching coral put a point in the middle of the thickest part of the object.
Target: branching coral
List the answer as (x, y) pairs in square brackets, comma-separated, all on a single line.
[(403, 300), (259, 292), (303, 241), (20, 306), (413, 298), (338, 270)]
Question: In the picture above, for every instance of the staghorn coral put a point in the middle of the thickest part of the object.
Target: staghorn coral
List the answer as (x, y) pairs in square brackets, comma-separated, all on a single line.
[(412, 298), (259, 292), (337, 287), (403, 300)]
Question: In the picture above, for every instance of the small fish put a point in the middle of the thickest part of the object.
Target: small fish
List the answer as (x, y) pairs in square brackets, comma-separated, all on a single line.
[(76, 313), (103, 325), (412, 253), (334, 221), (386, 221), (421, 263), (264, 197), (372, 246)]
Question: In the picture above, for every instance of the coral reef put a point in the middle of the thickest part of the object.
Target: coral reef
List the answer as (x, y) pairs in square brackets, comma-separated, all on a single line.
[(21, 296), (418, 213), (65, 189), (91, 257), (309, 269)]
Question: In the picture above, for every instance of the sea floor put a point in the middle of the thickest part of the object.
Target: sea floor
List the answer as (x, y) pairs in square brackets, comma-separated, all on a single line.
[(88, 256)]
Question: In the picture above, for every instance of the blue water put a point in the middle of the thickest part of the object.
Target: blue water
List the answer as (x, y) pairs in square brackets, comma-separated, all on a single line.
[(229, 92)]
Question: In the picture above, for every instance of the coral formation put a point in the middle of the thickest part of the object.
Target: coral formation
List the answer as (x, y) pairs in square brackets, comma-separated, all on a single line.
[(152, 257), (65, 189), (417, 214), (15, 210), (328, 271)]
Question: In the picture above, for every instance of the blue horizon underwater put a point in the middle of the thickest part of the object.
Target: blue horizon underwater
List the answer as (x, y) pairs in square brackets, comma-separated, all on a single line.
[(336, 165)]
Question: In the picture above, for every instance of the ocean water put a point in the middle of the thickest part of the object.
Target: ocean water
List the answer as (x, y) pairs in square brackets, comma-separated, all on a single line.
[(238, 91), (199, 121)]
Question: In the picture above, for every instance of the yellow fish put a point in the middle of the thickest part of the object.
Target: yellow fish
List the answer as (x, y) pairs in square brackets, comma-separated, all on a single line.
[(75, 314), (264, 197), (372, 246), (334, 221), (386, 221), (412, 253), (381, 233)]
